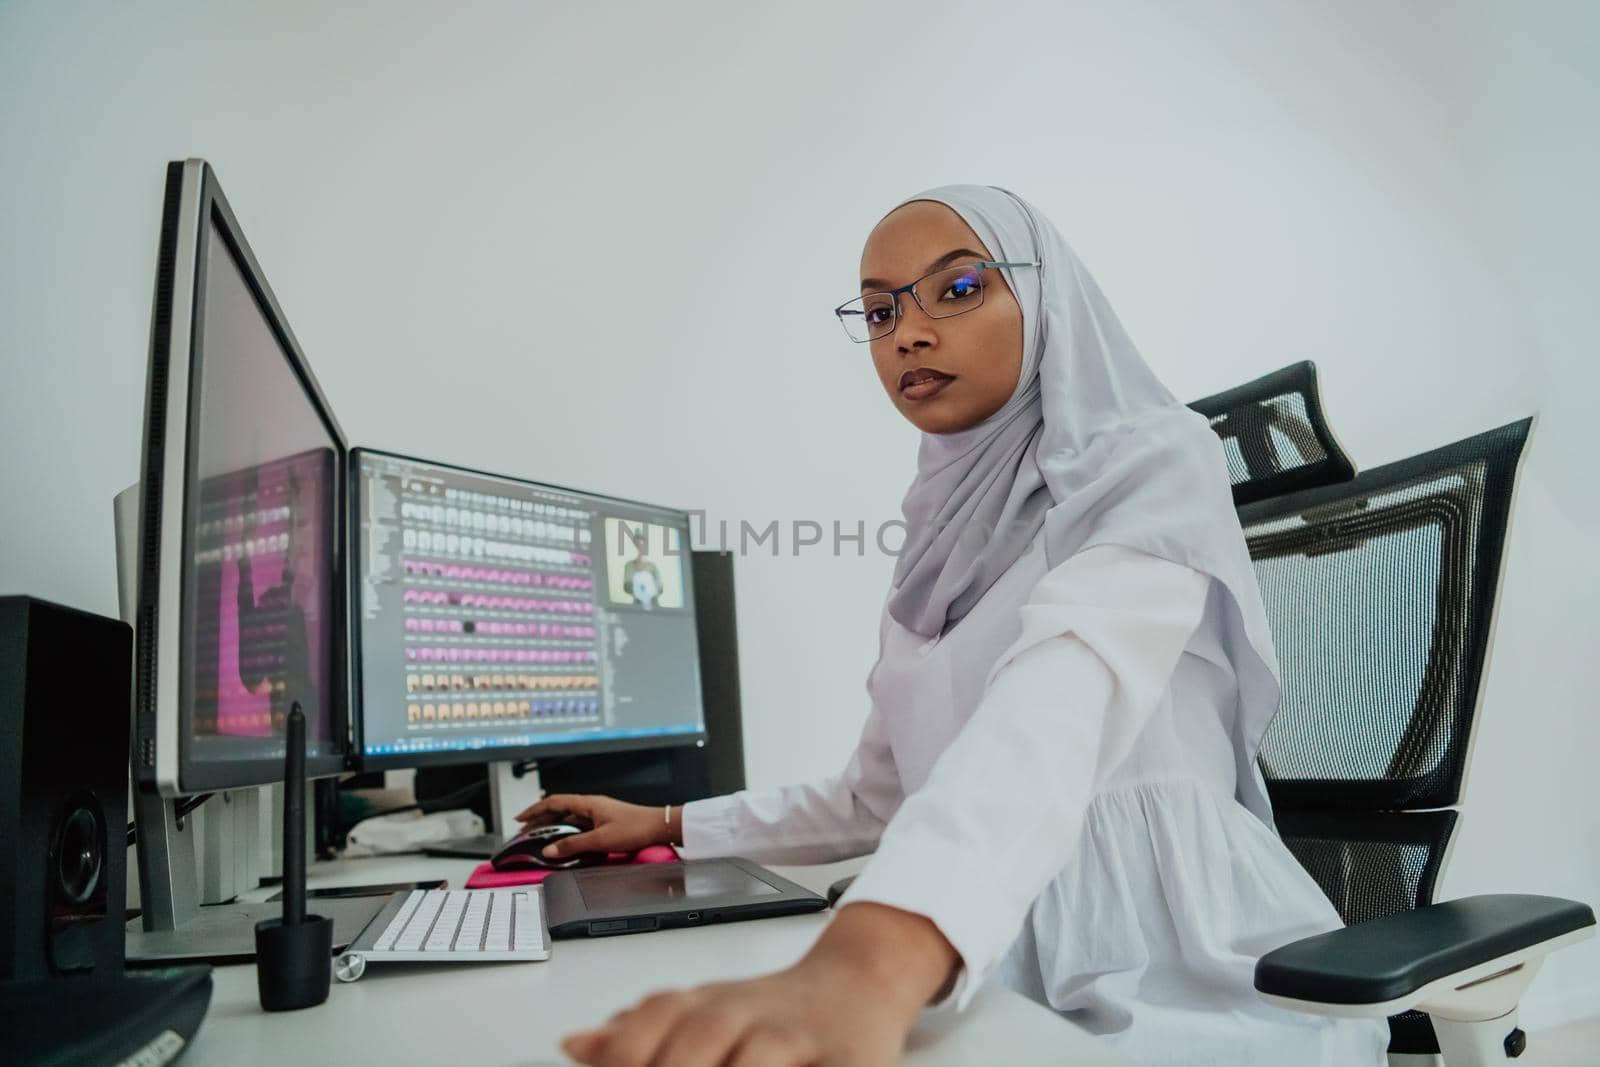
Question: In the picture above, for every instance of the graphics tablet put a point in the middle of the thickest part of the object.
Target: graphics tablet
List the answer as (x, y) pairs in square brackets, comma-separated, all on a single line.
[(634, 898)]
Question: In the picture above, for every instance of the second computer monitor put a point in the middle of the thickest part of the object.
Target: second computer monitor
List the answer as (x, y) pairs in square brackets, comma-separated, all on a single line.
[(497, 618)]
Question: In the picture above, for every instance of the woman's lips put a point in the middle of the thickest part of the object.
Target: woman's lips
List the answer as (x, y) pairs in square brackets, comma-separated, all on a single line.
[(924, 382)]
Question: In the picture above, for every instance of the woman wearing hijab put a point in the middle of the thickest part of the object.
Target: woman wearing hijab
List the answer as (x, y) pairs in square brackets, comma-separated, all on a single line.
[(1057, 778)]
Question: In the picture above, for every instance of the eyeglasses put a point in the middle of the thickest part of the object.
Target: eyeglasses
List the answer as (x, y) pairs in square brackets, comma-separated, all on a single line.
[(951, 291)]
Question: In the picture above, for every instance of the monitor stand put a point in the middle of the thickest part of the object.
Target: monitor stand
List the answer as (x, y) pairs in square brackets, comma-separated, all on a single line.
[(174, 927), (509, 794)]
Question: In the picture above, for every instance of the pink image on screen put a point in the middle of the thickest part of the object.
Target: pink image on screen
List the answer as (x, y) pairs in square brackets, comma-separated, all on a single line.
[(271, 635)]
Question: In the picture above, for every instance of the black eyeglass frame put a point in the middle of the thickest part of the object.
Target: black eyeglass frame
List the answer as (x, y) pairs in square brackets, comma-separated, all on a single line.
[(979, 266)]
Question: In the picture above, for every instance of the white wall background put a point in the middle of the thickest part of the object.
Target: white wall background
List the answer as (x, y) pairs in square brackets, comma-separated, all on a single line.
[(480, 217)]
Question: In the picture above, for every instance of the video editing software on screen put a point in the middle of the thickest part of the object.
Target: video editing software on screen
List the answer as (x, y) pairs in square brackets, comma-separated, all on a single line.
[(502, 614)]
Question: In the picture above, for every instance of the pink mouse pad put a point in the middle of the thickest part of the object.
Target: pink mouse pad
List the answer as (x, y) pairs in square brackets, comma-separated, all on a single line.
[(484, 876)]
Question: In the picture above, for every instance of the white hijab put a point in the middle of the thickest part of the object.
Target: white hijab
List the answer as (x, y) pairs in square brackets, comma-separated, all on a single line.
[(1092, 448)]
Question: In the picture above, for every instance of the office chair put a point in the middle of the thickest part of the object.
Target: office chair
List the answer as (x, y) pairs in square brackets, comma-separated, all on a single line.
[(1274, 435), (1380, 590)]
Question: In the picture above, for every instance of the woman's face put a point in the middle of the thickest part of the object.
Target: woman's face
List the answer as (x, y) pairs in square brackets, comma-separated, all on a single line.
[(947, 374)]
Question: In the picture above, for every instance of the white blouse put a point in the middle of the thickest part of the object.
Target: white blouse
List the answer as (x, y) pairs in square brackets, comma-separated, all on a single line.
[(1067, 816)]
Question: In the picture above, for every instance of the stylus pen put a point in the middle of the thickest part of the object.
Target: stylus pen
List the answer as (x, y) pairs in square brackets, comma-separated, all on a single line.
[(294, 821)]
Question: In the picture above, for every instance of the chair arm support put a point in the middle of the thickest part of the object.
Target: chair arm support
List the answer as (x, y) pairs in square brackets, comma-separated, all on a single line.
[(1390, 964)]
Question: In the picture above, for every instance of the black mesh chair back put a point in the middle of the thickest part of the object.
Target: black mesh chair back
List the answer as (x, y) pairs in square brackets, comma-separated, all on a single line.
[(1380, 592), (1275, 436)]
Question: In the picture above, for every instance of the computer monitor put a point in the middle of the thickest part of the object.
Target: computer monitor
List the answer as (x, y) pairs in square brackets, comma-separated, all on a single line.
[(503, 619), (240, 571), (240, 588)]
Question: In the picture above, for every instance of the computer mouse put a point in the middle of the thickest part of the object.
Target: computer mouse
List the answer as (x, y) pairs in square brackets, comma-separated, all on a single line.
[(525, 851)]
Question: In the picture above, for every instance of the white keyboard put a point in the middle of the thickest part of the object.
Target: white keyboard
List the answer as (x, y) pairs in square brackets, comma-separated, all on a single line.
[(451, 926)]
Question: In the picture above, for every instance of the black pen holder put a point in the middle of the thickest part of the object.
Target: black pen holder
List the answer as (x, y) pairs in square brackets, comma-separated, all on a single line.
[(294, 964)]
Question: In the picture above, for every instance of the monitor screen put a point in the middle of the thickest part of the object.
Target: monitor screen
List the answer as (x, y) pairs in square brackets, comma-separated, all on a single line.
[(497, 617), (260, 581)]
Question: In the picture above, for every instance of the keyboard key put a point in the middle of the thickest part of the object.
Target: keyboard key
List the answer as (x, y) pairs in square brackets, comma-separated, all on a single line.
[(526, 930), (497, 932), (443, 934), (421, 921), (391, 933), (470, 936)]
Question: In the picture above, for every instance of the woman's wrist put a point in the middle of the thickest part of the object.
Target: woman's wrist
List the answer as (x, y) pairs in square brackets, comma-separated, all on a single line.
[(900, 955)]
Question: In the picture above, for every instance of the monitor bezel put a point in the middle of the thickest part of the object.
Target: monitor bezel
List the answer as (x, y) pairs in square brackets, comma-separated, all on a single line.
[(359, 759), (163, 758)]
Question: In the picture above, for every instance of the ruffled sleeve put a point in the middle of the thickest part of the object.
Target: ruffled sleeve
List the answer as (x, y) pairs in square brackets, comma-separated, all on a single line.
[(1004, 804), (834, 819)]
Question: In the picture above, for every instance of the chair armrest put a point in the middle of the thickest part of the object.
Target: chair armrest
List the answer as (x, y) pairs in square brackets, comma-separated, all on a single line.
[(1387, 965)]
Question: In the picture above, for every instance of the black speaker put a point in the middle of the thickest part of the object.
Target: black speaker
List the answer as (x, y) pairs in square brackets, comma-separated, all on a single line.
[(679, 775), (65, 688), (717, 768)]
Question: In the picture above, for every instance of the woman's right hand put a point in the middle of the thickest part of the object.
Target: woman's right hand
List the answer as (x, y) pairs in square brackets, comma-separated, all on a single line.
[(616, 826)]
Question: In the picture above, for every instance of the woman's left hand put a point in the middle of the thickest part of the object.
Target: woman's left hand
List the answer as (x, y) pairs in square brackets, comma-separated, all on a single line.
[(836, 1007), (799, 1017)]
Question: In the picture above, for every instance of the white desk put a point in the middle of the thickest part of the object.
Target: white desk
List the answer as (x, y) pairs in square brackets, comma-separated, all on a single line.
[(516, 1013)]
